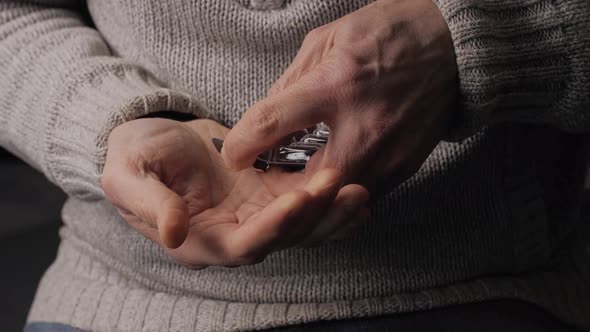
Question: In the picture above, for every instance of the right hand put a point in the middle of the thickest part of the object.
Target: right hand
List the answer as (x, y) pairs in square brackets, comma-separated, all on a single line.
[(170, 184)]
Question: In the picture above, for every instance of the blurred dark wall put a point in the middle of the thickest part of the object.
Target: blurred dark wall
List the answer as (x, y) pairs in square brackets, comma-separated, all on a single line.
[(4, 155), (29, 223)]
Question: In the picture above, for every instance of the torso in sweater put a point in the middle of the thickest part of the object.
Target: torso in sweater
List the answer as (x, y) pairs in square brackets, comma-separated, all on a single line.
[(481, 207), (475, 208)]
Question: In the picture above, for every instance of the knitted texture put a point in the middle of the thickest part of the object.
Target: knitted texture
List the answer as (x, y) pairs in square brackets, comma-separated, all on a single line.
[(521, 61), (487, 216)]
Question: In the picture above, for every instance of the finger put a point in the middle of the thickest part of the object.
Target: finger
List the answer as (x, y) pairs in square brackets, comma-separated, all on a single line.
[(263, 126), (346, 206), (349, 149), (310, 54), (152, 202), (258, 236), (286, 220), (324, 186)]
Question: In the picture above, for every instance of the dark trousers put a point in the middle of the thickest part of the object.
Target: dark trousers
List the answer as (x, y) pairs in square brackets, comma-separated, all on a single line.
[(494, 316)]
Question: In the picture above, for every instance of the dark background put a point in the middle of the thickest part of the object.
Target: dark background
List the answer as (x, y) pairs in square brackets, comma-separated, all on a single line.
[(29, 223)]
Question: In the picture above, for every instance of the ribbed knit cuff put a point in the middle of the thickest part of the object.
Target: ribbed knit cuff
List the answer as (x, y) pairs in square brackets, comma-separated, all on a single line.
[(78, 132), (520, 61)]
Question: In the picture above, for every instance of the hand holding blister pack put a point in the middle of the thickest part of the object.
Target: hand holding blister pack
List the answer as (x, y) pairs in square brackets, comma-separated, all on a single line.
[(294, 154)]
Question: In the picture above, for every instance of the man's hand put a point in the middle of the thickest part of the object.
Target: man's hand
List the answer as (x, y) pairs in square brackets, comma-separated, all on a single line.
[(168, 181), (382, 78)]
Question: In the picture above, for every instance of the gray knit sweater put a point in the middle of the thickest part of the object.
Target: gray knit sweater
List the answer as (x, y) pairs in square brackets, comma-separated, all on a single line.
[(491, 214)]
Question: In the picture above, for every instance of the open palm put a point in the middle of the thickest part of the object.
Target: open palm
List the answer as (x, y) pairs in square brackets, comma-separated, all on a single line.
[(169, 182)]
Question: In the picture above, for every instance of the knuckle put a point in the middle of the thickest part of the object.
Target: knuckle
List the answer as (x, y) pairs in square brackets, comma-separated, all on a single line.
[(138, 160), (351, 71), (314, 34), (266, 120), (339, 76)]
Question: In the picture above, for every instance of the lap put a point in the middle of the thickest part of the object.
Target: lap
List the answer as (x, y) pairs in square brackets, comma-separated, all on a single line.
[(493, 316), (501, 315)]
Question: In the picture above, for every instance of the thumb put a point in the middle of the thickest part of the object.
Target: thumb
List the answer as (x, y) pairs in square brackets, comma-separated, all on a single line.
[(150, 200), (263, 126)]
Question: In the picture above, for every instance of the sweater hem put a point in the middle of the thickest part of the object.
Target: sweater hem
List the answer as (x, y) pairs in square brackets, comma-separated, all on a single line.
[(84, 293)]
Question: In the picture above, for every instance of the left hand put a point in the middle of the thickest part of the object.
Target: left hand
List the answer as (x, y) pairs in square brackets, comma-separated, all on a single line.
[(383, 78), (168, 182)]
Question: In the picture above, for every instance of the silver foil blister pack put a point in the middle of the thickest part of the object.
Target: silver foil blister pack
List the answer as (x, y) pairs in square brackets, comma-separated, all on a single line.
[(295, 153)]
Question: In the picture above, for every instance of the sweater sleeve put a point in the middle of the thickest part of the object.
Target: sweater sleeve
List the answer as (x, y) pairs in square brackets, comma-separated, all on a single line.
[(62, 92), (521, 61)]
